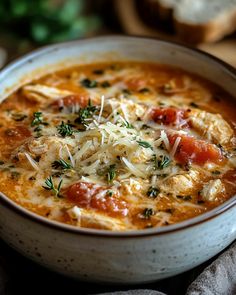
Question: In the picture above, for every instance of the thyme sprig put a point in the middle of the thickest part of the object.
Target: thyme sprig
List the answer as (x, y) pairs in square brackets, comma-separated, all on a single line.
[(111, 173), (61, 164), (85, 113), (65, 129), (161, 163), (50, 186), (145, 144)]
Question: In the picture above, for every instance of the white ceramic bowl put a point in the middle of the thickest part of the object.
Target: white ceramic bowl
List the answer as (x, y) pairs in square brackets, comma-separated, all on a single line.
[(98, 255)]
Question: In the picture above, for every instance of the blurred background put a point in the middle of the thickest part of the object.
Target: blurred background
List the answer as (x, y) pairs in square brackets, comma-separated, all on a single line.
[(26, 25)]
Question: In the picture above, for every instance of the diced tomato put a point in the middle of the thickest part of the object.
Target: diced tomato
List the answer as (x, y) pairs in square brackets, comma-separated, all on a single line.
[(88, 195), (17, 133), (70, 100), (135, 84), (192, 150), (169, 116)]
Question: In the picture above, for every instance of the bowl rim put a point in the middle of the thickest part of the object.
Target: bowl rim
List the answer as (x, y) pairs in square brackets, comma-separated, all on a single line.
[(192, 222)]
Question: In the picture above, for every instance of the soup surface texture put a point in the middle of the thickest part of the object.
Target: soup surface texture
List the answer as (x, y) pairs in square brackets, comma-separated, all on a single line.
[(118, 146)]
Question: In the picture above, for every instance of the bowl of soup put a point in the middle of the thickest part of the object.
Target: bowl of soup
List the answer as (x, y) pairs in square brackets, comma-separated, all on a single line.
[(118, 158)]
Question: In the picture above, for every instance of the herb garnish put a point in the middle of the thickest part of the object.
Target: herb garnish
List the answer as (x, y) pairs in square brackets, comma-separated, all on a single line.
[(111, 174), (216, 172), (185, 198), (65, 129), (147, 213), (62, 164), (161, 163), (18, 117), (105, 84), (85, 113), (153, 192), (126, 91), (127, 125), (38, 119), (49, 185), (145, 144), (98, 72), (109, 193), (38, 131), (87, 83), (194, 105), (15, 175), (144, 90), (200, 202)]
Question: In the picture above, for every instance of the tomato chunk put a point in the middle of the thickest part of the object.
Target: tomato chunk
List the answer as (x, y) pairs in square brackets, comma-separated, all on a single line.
[(70, 100), (17, 133), (88, 195), (192, 150), (169, 116)]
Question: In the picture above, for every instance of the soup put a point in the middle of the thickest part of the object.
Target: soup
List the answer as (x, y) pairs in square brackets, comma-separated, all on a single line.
[(118, 146)]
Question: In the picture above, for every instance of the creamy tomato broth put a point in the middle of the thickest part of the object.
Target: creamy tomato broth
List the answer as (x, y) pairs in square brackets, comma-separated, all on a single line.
[(118, 146)]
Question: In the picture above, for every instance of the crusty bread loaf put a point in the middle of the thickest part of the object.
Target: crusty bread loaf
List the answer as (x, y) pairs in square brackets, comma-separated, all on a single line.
[(199, 21)]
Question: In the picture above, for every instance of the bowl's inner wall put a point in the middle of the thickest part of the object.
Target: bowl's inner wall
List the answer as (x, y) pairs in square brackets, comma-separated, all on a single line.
[(103, 49)]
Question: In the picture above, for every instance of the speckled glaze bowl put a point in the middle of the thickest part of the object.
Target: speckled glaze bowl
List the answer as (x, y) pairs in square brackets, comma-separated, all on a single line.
[(116, 257)]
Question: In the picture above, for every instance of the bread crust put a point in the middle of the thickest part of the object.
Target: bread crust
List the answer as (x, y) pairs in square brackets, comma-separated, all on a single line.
[(194, 33), (211, 31)]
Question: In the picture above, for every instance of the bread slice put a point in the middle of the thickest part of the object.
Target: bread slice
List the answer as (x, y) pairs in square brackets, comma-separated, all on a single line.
[(198, 21), (166, 8)]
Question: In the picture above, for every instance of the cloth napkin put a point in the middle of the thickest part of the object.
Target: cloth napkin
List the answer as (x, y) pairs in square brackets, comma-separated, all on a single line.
[(219, 278)]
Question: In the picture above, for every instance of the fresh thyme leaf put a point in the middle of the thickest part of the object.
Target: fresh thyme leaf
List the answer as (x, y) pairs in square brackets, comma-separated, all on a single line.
[(111, 174), (38, 122), (87, 83), (164, 162), (37, 119), (65, 129), (147, 213), (49, 185), (153, 192), (145, 144), (85, 113), (62, 164), (127, 125), (59, 186), (161, 163)]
